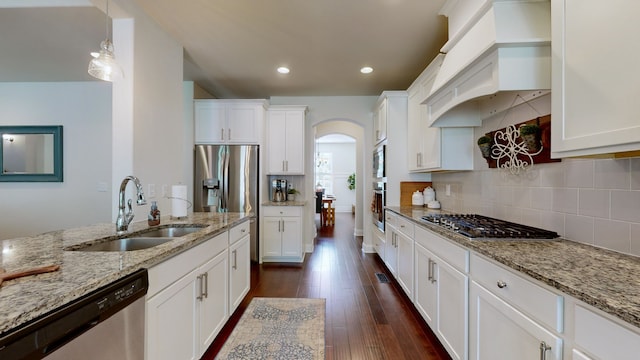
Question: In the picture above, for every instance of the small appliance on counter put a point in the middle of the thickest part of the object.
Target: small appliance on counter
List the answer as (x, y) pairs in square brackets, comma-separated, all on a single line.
[(279, 190)]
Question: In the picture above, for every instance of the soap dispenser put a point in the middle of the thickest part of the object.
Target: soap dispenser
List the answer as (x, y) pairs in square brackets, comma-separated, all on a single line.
[(154, 215)]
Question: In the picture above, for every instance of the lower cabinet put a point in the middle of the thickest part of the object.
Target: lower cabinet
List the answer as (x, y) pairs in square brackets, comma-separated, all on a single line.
[(192, 294), (441, 291), (500, 332), (282, 233), (183, 319), (239, 272)]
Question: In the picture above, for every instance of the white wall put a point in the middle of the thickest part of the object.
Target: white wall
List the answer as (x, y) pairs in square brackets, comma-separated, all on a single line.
[(84, 111), (595, 201), (344, 164)]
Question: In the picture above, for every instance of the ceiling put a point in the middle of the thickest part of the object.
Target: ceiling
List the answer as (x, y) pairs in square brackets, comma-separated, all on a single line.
[(232, 48)]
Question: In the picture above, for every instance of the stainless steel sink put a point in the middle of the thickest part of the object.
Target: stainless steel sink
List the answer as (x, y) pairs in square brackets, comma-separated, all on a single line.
[(172, 231), (126, 244), (139, 240)]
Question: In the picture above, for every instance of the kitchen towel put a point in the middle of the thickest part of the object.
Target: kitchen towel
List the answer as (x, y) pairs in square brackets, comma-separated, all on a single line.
[(179, 201)]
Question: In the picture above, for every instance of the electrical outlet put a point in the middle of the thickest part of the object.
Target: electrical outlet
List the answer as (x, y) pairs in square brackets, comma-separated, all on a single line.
[(152, 191), (447, 190)]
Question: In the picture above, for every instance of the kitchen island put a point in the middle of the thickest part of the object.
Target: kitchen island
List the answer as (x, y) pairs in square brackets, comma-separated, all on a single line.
[(81, 272)]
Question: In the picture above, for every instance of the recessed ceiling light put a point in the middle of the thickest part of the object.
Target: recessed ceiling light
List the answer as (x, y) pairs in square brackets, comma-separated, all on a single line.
[(283, 70), (366, 70)]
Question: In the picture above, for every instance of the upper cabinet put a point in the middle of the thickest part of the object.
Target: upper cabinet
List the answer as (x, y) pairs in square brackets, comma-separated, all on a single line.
[(432, 148), (285, 140), (228, 121), (595, 77), (380, 122)]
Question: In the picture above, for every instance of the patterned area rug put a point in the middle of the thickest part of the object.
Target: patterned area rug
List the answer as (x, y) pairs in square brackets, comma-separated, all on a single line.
[(278, 328)]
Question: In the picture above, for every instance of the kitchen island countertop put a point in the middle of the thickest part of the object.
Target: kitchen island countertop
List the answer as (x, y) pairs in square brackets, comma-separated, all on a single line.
[(604, 279), (81, 272)]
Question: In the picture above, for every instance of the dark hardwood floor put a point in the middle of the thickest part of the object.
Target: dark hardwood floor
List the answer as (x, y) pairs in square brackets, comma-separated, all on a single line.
[(365, 319)]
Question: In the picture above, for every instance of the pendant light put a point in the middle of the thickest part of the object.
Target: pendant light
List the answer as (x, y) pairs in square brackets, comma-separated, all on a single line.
[(103, 66)]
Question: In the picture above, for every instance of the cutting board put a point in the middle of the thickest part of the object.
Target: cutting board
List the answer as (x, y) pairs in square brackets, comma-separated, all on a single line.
[(407, 188)]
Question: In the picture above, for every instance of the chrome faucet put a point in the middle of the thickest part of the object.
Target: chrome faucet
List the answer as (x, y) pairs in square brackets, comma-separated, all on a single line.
[(122, 223)]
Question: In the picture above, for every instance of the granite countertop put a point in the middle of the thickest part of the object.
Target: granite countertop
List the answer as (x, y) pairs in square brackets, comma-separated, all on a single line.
[(24, 299), (605, 279)]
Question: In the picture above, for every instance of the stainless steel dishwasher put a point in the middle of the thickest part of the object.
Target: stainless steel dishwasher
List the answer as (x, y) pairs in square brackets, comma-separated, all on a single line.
[(107, 323)]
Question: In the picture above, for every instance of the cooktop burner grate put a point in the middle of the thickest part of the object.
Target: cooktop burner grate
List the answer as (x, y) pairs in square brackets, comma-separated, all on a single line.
[(483, 227)]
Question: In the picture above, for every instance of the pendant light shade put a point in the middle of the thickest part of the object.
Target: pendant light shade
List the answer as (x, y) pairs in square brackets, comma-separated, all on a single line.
[(103, 66)]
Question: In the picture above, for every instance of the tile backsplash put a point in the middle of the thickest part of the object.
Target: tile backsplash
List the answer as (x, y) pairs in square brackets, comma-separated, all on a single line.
[(595, 201)]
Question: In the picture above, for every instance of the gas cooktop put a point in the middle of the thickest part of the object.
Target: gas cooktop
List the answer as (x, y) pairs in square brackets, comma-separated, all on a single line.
[(478, 227)]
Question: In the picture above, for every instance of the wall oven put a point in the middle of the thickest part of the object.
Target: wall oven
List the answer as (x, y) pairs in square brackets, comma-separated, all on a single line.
[(378, 162), (378, 203)]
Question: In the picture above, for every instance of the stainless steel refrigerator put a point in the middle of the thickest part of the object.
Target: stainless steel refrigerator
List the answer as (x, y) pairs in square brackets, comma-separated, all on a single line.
[(226, 180)]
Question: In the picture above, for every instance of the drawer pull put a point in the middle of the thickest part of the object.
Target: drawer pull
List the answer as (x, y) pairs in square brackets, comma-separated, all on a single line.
[(501, 284), (543, 350)]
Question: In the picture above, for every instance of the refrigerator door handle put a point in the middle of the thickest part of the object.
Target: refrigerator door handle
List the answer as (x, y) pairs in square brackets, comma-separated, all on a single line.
[(225, 187)]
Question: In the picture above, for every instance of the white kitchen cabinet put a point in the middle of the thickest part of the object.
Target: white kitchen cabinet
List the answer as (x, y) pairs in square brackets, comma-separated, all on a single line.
[(596, 336), (239, 264), (511, 317), (434, 148), (391, 249), (441, 290), (399, 250), (379, 242), (228, 121), (282, 233), (380, 121), (594, 90), (188, 292), (285, 140)]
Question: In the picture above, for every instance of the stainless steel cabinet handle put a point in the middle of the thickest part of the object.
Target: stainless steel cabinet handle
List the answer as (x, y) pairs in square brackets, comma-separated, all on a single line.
[(429, 271), (501, 284), (286, 162), (235, 259), (222, 134), (200, 288), (543, 350), (433, 271), (206, 284), (282, 225), (229, 134)]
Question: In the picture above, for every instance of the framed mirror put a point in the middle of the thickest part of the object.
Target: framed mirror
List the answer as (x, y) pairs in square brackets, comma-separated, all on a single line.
[(31, 153)]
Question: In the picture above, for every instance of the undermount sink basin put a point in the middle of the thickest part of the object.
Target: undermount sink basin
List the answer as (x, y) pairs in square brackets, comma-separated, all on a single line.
[(139, 240), (126, 244), (170, 232)]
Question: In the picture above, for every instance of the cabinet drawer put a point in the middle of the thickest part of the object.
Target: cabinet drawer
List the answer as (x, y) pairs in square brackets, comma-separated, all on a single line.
[(405, 226), (390, 219), (539, 303), (282, 210), (449, 252), (239, 231), (167, 272), (604, 338)]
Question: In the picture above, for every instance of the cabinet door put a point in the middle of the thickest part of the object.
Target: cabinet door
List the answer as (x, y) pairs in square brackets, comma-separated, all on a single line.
[(239, 272), (272, 242), (593, 90), (500, 332), (414, 133), (213, 296), (276, 141), (381, 122), (405, 247), (425, 297), (294, 156), (243, 123), (170, 309), (452, 315), (391, 251), (291, 236), (209, 122)]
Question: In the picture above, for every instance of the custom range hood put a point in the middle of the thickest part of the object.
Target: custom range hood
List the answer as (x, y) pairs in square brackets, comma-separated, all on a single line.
[(496, 48)]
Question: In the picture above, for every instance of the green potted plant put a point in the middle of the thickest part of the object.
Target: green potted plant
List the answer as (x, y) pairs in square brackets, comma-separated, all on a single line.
[(530, 134), (291, 194), (485, 142), (351, 180)]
